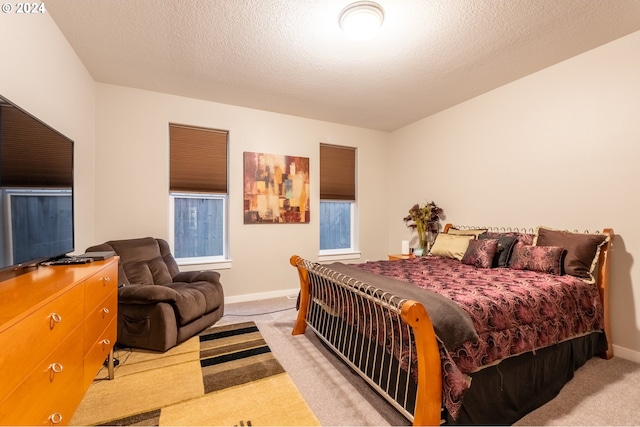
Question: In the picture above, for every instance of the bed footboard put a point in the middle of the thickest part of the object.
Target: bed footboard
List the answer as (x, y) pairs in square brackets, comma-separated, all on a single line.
[(387, 340)]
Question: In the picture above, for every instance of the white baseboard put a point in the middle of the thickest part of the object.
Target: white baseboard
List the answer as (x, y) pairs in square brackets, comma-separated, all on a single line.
[(263, 295), (626, 353)]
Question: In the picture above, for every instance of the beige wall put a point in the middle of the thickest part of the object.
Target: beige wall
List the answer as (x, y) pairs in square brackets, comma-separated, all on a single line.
[(42, 74), (132, 179), (559, 148)]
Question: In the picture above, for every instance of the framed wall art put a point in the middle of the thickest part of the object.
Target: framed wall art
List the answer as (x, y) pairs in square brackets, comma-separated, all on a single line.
[(276, 189)]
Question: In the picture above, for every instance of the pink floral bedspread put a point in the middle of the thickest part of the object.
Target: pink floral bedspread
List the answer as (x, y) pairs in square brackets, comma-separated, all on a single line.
[(513, 311)]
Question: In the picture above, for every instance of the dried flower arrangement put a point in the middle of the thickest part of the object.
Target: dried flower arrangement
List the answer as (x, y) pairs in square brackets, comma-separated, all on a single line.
[(425, 219)]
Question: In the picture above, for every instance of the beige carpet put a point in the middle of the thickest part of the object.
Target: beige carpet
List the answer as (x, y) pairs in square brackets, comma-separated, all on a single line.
[(602, 393), (227, 376)]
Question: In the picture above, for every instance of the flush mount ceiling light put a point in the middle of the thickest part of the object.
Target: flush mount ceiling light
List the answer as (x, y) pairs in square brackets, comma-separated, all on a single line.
[(361, 20)]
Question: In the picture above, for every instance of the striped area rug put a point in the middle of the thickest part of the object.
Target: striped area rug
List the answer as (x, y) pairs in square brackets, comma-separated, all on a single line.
[(225, 376), (234, 355)]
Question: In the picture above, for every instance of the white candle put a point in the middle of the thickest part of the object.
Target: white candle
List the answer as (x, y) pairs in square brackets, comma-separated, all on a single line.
[(405, 247)]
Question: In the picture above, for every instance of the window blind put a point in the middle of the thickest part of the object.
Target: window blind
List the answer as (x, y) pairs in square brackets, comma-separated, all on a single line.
[(197, 160), (19, 135), (337, 172)]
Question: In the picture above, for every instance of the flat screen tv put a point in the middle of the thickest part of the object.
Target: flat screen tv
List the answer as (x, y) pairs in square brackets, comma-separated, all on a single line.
[(36, 191)]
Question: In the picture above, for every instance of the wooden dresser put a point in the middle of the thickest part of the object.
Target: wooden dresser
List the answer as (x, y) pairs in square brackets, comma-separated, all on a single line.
[(58, 325)]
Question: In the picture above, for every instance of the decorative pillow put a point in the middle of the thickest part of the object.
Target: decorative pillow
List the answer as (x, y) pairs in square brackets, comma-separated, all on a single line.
[(521, 238), (582, 250), (480, 253), (451, 245), (503, 251), (460, 232), (545, 259)]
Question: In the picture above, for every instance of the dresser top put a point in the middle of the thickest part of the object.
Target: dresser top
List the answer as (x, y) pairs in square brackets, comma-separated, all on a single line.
[(24, 294)]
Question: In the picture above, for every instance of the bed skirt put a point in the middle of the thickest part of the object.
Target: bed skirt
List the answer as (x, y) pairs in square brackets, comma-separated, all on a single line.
[(504, 393)]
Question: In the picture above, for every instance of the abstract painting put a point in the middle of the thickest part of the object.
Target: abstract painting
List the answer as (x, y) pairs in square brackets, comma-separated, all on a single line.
[(276, 189)]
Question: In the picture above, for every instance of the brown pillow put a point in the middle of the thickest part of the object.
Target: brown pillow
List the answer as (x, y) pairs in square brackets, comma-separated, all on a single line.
[(462, 232), (480, 253), (545, 259), (582, 250), (521, 238)]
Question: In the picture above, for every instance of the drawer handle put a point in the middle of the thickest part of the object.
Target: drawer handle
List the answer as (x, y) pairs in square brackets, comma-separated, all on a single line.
[(55, 418), (106, 279), (105, 310), (53, 319), (56, 368), (106, 342)]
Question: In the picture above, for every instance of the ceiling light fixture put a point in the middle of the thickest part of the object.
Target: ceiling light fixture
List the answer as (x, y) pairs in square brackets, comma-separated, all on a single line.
[(361, 20)]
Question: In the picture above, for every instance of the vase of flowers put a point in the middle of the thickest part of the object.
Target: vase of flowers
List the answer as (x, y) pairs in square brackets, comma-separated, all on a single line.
[(425, 219)]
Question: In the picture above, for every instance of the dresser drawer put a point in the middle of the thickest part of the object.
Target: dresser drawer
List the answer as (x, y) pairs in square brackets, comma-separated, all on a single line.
[(98, 318), (100, 285), (53, 388), (24, 345), (97, 354)]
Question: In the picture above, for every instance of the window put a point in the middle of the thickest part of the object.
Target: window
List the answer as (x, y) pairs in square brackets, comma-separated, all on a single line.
[(337, 199), (199, 226), (40, 221), (335, 225), (198, 193)]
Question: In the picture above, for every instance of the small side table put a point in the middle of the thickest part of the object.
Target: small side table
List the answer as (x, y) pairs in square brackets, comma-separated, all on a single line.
[(396, 257)]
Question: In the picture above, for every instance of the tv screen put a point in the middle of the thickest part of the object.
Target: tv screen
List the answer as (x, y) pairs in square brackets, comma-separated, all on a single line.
[(36, 190)]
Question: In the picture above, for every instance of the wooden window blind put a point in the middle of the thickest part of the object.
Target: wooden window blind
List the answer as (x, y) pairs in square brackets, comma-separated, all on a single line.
[(337, 172), (197, 160)]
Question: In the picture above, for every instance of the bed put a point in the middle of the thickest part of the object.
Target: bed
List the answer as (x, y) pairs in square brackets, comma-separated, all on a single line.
[(486, 328)]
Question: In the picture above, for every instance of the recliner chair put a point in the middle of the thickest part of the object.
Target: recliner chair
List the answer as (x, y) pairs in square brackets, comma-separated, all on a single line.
[(159, 306)]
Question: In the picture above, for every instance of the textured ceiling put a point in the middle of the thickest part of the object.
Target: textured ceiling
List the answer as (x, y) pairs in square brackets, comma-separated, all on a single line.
[(289, 56)]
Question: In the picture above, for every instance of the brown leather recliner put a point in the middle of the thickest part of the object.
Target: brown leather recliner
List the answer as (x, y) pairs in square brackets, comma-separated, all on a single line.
[(159, 306)]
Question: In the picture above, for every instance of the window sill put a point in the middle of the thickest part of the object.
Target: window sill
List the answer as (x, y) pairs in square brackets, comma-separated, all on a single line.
[(204, 265), (338, 256)]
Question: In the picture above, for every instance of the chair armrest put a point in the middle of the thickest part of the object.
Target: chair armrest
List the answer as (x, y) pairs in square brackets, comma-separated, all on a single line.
[(197, 276), (146, 294)]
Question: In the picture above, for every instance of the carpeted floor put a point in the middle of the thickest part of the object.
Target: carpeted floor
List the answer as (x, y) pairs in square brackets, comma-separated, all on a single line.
[(226, 376), (603, 392)]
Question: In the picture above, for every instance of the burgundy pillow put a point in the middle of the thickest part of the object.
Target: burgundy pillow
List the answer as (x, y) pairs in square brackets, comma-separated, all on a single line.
[(480, 253), (503, 251), (545, 259)]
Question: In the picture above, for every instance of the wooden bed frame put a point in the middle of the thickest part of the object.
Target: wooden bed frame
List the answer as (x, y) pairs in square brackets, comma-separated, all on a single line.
[(409, 314)]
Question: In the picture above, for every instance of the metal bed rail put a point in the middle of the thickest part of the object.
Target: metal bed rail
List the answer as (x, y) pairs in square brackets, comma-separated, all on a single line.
[(389, 341)]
